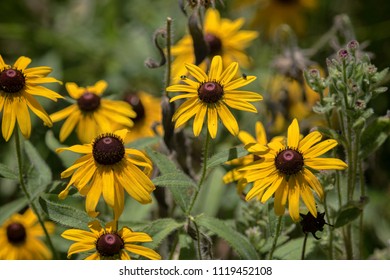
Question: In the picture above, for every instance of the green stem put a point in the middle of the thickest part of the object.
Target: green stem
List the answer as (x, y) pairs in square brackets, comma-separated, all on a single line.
[(362, 194), (304, 247), (198, 239), (169, 56), (330, 231), (27, 194), (203, 175), (276, 237)]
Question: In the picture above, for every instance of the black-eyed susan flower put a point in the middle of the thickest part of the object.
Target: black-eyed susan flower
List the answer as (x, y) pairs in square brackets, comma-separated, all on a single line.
[(20, 238), (91, 114), (223, 36), (108, 243), (270, 14), (148, 118), (108, 168), (211, 95), (18, 86), (257, 145), (285, 171)]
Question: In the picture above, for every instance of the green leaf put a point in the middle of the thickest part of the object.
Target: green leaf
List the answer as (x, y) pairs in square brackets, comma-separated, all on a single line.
[(292, 249), (174, 180), (44, 172), (226, 155), (239, 242), (10, 208), (181, 193), (64, 214), (374, 136), (159, 230), (142, 143), (347, 214), (5, 172)]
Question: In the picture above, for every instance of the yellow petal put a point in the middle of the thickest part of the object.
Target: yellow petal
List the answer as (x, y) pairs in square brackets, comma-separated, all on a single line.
[(108, 188), (37, 109), (293, 135), (199, 119), (243, 95), (293, 199), (227, 119), (320, 148), (279, 182), (212, 121), (23, 117), (93, 196), (81, 149), (182, 88), (229, 73), (196, 72), (8, 122), (240, 105), (215, 68), (246, 138), (22, 62), (313, 183), (309, 140), (64, 113), (325, 163), (280, 201), (142, 251), (69, 125), (237, 83)]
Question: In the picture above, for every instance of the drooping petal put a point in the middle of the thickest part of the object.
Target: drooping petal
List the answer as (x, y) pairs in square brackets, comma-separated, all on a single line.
[(23, 117), (107, 176), (142, 251), (280, 201), (293, 199), (38, 110), (212, 121), (227, 119), (8, 121), (199, 120), (64, 113), (313, 183), (69, 125), (196, 72), (279, 182)]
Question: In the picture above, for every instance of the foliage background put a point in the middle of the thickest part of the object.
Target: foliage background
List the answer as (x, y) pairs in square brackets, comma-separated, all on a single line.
[(86, 40)]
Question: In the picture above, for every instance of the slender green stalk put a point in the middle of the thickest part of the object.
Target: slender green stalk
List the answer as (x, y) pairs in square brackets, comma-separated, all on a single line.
[(27, 194), (330, 231), (175, 242), (203, 175), (169, 56), (361, 223), (304, 247), (198, 239), (276, 237)]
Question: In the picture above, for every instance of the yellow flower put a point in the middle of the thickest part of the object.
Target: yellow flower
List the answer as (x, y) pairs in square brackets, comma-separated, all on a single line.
[(223, 37), (258, 145), (270, 14), (108, 243), (18, 86), (148, 110), (108, 168), (91, 113), (286, 171), (211, 95), (20, 238)]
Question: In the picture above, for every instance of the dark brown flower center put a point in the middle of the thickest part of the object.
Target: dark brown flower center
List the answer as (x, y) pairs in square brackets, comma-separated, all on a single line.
[(289, 162), (135, 102), (88, 102), (12, 80), (214, 43), (210, 92), (16, 233), (109, 244), (108, 149), (287, 2)]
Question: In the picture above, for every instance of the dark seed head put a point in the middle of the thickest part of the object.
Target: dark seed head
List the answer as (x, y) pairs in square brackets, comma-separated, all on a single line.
[(210, 92), (88, 102), (311, 224), (108, 149), (135, 102), (109, 244), (214, 43), (289, 162), (12, 80), (16, 233)]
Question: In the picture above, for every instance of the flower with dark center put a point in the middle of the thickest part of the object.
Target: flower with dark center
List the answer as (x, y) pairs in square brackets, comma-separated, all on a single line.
[(16, 233), (109, 245), (21, 237), (18, 87), (108, 168), (289, 161), (12, 80), (88, 102), (107, 242), (135, 101), (285, 171), (108, 149), (92, 114), (223, 36), (214, 44), (211, 94)]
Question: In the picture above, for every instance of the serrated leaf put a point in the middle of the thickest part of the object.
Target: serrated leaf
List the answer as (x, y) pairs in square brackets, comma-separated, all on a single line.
[(238, 241), (159, 230), (181, 194), (44, 172), (292, 249), (226, 155), (374, 136), (173, 180), (346, 215), (64, 214), (5, 172)]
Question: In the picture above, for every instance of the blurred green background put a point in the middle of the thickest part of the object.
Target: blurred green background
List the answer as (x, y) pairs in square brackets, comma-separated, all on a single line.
[(86, 40)]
